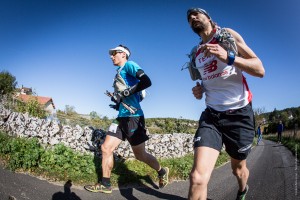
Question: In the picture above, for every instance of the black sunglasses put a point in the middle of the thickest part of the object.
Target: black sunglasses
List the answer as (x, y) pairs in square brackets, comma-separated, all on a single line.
[(115, 52)]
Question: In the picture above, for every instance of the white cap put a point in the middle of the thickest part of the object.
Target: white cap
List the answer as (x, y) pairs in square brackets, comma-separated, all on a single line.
[(118, 48)]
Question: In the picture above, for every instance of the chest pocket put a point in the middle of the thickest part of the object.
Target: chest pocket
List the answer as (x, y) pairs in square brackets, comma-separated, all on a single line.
[(119, 83)]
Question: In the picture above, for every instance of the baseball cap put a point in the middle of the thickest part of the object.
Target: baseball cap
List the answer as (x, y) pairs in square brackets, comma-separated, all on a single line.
[(119, 48), (199, 10)]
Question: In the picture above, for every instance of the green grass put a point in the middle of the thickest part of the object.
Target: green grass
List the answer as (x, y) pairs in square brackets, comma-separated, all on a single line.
[(292, 144), (62, 163)]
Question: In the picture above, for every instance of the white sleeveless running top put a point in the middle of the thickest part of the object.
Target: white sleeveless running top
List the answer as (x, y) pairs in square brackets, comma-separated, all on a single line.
[(225, 86)]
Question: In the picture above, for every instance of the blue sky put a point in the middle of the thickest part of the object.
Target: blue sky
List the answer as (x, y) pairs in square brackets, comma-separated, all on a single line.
[(60, 49)]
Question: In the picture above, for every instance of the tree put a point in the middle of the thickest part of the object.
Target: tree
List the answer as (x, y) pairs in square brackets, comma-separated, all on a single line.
[(69, 110), (7, 83), (32, 107), (274, 115), (94, 115), (258, 115)]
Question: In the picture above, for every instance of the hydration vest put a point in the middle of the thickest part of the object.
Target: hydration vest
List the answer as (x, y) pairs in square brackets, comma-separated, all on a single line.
[(225, 40), (120, 85)]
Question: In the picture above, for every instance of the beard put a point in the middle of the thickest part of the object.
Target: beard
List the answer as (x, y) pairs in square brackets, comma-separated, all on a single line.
[(198, 27)]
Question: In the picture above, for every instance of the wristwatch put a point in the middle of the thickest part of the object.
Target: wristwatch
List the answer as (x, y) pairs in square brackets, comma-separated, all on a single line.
[(126, 92), (231, 57)]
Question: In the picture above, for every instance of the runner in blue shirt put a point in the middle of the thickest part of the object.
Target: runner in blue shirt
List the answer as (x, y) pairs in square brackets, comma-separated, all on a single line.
[(129, 83)]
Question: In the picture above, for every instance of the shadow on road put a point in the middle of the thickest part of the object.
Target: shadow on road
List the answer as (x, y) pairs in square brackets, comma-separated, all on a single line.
[(273, 145), (146, 189), (128, 193), (127, 181), (67, 194)]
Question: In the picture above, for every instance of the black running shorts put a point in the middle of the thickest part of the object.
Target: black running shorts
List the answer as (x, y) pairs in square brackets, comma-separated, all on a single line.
[(233, 128), (132, 129)]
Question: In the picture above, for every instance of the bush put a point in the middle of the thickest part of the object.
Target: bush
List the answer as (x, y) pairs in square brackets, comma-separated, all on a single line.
[(60, 163), (64, 163), (32, 107), (23, 153), (7, 83)]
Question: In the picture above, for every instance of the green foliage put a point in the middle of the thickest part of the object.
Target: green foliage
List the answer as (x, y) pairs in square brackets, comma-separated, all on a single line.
[(181, 166), (70, 110), (154, 125), (171, 125), (64, 163), (291, 143), (60, 163), (94, 115), (290, 118), (32, 107), (102, 123), (4, 148), (7, 83), (77, 119), (23, 153)]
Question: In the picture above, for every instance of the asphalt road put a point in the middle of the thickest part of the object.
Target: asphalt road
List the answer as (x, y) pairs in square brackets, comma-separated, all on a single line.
[(274, 175)]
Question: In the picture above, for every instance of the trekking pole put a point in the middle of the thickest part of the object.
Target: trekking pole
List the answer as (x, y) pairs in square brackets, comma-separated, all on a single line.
[(131, 109)]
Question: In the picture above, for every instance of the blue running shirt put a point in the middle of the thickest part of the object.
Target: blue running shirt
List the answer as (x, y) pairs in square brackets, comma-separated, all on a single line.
[(128, 73)]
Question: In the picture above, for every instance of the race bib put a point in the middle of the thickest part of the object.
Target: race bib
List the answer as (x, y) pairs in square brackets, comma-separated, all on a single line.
[(113, 128)]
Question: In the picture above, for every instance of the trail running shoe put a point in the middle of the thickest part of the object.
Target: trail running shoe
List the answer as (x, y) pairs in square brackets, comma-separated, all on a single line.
[(164, 179), (98, 188), (242, 195)]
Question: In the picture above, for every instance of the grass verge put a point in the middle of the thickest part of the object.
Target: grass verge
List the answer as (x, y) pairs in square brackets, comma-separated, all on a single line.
[(62, 163), (292, 144)]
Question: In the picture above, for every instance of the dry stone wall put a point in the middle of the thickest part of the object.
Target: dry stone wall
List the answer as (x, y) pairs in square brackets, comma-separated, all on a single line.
[(78, 138)]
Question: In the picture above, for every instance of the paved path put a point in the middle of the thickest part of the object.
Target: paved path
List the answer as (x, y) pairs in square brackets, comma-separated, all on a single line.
[(274, 175)]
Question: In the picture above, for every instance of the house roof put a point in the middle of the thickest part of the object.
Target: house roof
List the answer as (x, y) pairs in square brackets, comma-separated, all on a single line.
[(27, 89), (40, 100)]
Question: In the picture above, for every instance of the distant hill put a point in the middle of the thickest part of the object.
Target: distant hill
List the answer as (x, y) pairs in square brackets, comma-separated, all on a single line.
[(289, 116)]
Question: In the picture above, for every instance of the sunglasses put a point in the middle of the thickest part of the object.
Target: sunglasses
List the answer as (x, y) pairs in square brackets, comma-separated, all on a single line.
[(115, 52)]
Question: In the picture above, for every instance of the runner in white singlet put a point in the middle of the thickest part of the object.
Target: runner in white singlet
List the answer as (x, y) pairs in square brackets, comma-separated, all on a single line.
[(228, 119), (231, 92)]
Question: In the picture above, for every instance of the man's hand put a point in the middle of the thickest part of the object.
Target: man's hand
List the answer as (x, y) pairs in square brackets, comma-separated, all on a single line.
[(216, 50), (198, 91), (114, 106), (114, 97), (118, 96)]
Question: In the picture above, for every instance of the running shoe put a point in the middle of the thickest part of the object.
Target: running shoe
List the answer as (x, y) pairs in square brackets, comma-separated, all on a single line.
[(98, 188), (164, 179), (242, 195)]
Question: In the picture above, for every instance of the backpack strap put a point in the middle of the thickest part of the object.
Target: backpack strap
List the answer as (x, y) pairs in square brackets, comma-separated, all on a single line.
[(194, 72), (119, 84), (225, 40)]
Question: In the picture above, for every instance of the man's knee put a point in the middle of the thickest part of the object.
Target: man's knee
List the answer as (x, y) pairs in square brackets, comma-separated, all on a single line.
[(106, 149), (239, 172), (198, 178)]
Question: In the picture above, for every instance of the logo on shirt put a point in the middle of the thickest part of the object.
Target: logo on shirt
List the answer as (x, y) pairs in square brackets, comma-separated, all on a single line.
[(210, 68)]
